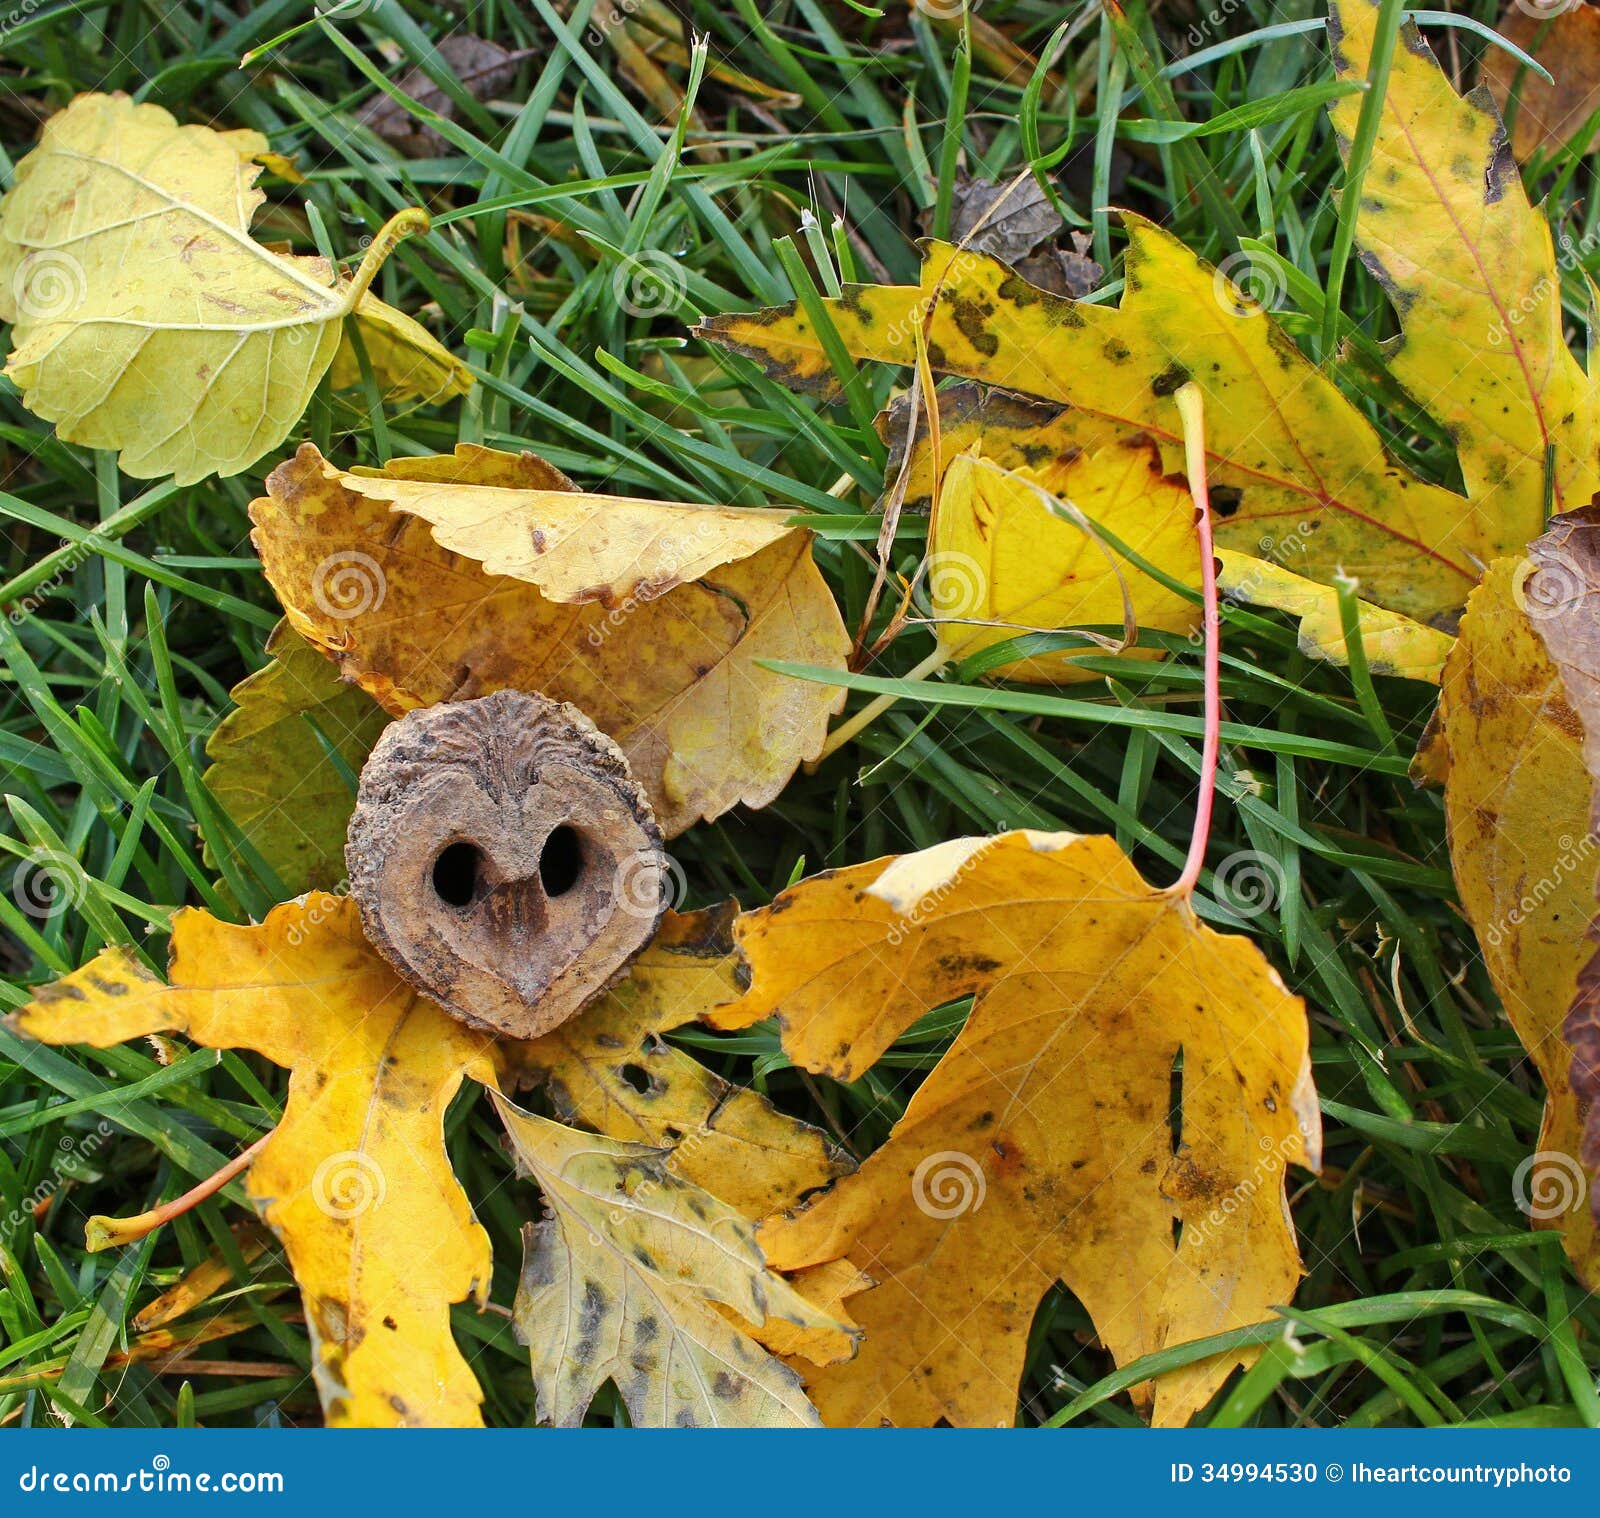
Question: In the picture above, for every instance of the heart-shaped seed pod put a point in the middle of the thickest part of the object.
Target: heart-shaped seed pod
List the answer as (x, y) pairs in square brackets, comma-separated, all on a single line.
[(504, 860)]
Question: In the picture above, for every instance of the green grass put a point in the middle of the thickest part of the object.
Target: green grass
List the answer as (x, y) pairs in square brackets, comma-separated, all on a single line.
[(134, 609)]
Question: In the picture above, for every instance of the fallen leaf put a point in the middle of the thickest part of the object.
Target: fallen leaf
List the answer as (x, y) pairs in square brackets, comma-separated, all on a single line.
[(355, 1180), (610, 1069), (273, 769), (1041, 1147), (1560, 596), (622, 1283), (1469, 265), (668, 669), (1015, 222), (1015, 550), (483, 67), (147, 320), (1392, 643), (1505, 744), (199, 1285), (1566, 41), (407, 362)]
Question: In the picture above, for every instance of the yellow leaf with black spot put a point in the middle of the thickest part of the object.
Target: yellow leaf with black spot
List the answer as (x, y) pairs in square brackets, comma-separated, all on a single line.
[(1041, 1148), (354, 1180), (624, 1281)]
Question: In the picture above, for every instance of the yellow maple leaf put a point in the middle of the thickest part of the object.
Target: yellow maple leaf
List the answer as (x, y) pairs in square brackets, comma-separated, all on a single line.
[(1470, 266), (609, 1069), (147, 319), (271, 768), (354, 1180), (1505, 742), (1041, 1147), (624, 1280), (673, 677)]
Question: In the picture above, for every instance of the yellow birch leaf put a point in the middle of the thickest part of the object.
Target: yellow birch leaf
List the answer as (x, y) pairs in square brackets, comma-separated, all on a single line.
[(609, 1069), (355, 1180), (1041, 1147), (1392, 643), (623, 1281), (1470, 267), (408, 362), (270, 768), (1279, 433), (147, 319), (1505, 742), (1008, 554), (673, 678)]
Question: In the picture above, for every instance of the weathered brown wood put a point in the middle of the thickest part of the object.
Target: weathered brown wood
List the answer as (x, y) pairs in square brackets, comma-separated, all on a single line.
[(504, 860)]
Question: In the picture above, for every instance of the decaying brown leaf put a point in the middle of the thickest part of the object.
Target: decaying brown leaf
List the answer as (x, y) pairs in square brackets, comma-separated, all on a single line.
[(1566, 40), (1041, 1148), (449, 578)]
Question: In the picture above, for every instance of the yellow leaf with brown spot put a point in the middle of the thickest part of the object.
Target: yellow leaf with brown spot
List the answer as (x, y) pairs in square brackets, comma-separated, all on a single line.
[(147, 319), (1279, 433), (272, 771), (1013, 551), (1041, 1147), (355, 1180), (673, 677), (624, 1281), (1505, 742), (1390, 641), (610, 1069), (1446, 225)]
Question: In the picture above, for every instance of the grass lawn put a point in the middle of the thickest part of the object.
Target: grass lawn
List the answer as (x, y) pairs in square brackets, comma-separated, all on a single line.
[(584, 216)]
